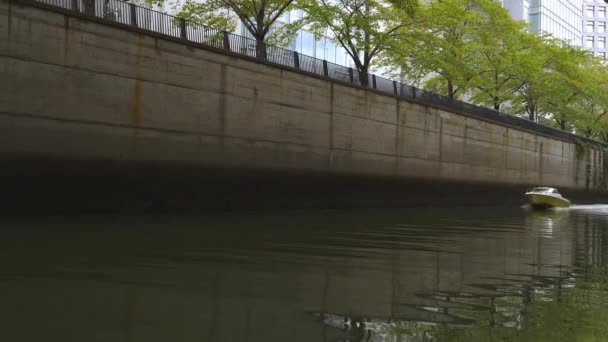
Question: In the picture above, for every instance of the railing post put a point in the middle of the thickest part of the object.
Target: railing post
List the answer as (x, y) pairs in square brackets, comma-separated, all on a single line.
[(75, 5), (182, 26), (296, 60), (395, 88), (374, 81), (133, 9), (351, 77), (226, 41), (325, 71)]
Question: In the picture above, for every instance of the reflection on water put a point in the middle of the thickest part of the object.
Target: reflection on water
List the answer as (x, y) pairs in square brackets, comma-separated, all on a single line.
[(384, 275)]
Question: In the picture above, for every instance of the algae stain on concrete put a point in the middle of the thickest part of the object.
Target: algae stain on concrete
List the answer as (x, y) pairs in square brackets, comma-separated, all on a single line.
[(136, 100), (66, 40), (222, 105), (136, 110)]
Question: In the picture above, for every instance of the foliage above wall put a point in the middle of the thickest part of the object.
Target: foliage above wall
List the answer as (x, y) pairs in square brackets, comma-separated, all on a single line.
[(464, 49)]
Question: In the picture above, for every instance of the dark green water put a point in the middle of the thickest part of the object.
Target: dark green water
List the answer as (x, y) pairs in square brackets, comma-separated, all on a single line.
[(456, 274)]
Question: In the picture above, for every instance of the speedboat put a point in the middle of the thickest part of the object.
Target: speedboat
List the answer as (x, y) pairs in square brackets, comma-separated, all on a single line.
[(545, 197)]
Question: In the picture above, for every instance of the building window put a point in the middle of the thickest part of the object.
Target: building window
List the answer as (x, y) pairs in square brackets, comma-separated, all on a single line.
[(589, 42), (308, 44), (297, 14), (590, 26), (320, 48), (535, 22), (590, 11), (297, 43), (601, 27), (601, 54), (330, 51), (340, 55), (601, 42), (601, 12)]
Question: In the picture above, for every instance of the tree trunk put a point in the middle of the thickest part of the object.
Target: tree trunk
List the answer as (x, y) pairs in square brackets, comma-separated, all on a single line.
[(450, 89), (260, 48), (532, 112), (260, 37), (88, 7), (108, 11), (364, 75), (364, 72)]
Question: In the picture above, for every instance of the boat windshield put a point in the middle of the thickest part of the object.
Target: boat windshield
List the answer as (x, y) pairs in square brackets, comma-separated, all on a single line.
[(545, 189)]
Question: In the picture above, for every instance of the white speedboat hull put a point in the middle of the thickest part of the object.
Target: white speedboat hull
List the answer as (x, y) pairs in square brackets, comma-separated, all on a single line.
[(547, 200)]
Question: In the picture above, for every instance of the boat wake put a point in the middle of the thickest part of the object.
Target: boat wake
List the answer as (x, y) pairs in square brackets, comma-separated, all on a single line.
[(591, 207)]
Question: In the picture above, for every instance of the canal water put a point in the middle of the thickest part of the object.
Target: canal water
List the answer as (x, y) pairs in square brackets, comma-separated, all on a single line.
[(418, 274)]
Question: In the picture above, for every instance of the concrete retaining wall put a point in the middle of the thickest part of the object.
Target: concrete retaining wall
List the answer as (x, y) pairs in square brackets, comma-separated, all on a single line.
[(75, 90)]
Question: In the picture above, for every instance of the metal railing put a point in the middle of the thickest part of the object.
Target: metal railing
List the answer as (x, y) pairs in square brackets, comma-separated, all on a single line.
[(167, 25)]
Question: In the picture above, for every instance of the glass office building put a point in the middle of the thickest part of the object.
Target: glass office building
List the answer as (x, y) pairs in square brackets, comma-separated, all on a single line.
[(582, 22), (305, 43), (562, 18), (594, 27), (517, 8)]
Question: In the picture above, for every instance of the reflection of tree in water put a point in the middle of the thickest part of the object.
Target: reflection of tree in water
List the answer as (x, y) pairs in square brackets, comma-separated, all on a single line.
[(359, 329), (496, 306), (551, 302), (591, 243)]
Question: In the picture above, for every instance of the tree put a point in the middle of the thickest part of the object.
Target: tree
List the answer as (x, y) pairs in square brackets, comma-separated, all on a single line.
[(257, 16), (364, 28), (88, 7), (501, 60), (442, 46), (530, 97), (551, 87), (564, 83), (590, 110)]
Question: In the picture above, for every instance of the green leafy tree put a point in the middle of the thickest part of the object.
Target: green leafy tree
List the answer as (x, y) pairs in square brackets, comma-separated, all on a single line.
[(591, 107), (501, 59), (257, 16), (440, 51), (213, 14), (530, 97), (553, 85), (364, 28), (564, 85)]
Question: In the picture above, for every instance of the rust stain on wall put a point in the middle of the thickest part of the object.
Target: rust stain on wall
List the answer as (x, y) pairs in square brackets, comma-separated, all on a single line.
[(222, 105), (136, 105), (10, 19), (66, 81), (66, 39), (136, 100)]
